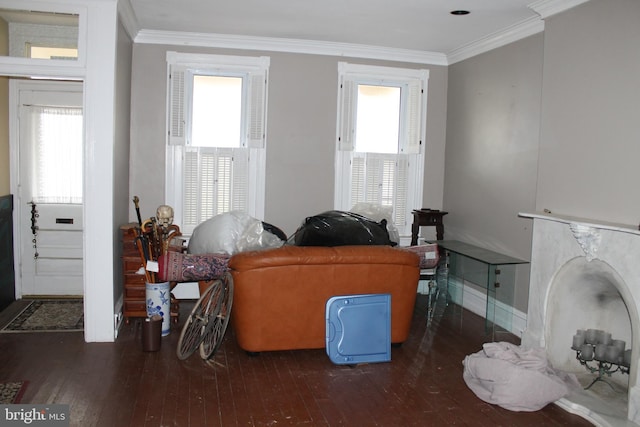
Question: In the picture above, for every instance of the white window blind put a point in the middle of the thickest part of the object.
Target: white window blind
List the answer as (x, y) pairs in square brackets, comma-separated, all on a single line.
[(58, 154), (176, 119), (380, 179), (208, 174), (387, 172)]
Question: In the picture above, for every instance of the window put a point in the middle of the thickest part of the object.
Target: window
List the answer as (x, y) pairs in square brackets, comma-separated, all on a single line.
[(216, 136), (57, 136), (381, 127)]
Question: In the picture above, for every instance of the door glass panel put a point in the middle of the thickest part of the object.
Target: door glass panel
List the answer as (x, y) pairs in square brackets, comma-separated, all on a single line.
[(58, 154)]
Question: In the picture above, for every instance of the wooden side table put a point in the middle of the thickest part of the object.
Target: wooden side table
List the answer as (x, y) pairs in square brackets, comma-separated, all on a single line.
[(427, 217)]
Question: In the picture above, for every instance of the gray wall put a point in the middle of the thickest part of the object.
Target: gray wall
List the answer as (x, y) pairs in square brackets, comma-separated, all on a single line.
[(547, 122), (121, 201), (492, 150), (590, 133), (301, 127)]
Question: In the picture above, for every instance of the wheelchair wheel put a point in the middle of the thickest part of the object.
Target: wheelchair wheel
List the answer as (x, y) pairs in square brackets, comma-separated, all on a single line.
[(205, 309), (217, 327)]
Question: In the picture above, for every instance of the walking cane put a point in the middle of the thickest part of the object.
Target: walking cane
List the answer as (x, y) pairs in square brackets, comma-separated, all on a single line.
[(136, 202)]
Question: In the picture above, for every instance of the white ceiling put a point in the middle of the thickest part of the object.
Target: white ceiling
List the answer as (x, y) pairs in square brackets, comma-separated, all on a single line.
[(417, 25)]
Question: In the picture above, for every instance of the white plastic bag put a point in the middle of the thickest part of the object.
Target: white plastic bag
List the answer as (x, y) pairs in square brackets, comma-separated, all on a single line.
[(378, 213), (255, 237), (230, 233)]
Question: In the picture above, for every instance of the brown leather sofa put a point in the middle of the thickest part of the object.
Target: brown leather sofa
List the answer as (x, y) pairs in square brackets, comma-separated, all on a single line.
[(280, 295)]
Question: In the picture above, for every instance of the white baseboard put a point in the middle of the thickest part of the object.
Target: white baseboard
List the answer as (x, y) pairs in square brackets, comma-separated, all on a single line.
[(507, 317), (423, 287), (117, 318)]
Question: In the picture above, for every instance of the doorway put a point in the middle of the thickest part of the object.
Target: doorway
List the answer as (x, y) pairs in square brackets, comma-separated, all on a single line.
[(46, 119)]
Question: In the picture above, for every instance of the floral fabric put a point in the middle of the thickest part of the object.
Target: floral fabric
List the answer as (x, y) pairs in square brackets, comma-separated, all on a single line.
[(179, 267)]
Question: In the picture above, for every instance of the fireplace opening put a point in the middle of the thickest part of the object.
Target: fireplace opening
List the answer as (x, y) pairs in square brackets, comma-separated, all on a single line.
[(586, 295)]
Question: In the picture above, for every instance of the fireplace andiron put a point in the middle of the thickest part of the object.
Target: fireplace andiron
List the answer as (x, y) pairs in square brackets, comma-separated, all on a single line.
[(610, 354)]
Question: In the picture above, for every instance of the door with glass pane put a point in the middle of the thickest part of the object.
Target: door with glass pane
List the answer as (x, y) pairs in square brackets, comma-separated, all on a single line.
[(50, 138)]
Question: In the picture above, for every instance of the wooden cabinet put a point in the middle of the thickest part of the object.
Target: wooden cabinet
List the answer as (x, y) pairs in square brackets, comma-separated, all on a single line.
[(134, 284)]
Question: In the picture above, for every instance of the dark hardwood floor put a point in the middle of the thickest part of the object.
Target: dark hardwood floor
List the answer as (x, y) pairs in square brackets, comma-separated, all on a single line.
[(117, 384)]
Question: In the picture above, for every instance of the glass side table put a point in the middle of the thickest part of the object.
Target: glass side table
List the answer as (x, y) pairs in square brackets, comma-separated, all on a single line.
[(492, 270)]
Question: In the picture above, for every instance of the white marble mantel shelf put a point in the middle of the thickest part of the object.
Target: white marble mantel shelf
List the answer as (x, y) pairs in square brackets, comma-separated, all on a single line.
[(624, 228)]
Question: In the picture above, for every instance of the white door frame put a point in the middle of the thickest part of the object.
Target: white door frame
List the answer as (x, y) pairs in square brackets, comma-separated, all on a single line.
[(96, 67)]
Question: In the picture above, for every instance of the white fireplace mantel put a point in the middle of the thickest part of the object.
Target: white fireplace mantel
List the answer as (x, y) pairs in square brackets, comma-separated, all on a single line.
[(563, 245), (625, 228)]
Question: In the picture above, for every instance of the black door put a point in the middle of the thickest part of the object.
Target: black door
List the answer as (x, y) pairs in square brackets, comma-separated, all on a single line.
[(7, 275)]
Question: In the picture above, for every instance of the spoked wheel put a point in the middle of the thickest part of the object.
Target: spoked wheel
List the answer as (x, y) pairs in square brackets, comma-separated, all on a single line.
[(205, 309), (216, 328)]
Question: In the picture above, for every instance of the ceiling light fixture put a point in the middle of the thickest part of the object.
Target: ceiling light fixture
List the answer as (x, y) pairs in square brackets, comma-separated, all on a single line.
[(460, 12)]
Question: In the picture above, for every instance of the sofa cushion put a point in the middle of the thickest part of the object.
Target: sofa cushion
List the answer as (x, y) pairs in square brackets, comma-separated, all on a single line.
[(321, 255)]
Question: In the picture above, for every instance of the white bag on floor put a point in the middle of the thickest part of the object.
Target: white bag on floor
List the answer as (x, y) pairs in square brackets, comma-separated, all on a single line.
[(515, 378)]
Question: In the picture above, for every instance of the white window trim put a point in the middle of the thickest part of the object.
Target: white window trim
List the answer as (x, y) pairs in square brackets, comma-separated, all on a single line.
[(257, 150), (357, 73)]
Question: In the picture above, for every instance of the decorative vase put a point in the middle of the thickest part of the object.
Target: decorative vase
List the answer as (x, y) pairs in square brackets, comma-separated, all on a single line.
[(159, 302)]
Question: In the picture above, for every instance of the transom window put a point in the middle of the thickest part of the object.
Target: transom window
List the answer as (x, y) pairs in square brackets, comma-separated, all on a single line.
[(45, 52)]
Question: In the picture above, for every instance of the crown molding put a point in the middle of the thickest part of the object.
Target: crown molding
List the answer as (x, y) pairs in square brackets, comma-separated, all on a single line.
[(128, 18), (526, 28), (312, 47), (495, 40), (547, 8), (229, 41)]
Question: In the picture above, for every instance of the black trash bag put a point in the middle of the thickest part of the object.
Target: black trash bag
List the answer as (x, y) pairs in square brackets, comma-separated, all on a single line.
[(275, 231), (338, 228)]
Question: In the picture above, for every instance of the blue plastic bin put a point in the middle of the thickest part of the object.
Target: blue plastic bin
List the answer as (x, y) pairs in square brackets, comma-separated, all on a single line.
[(359, 329)]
